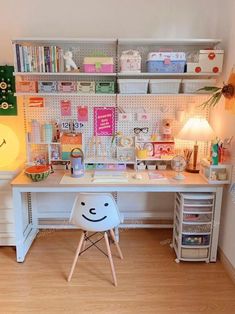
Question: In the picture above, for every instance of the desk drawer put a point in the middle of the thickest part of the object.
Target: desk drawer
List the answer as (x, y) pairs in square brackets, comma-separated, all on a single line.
[(6, 200)]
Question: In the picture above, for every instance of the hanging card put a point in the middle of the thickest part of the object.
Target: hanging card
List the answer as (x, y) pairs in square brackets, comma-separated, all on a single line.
[(65, 108), (104, 121), (82, 113)]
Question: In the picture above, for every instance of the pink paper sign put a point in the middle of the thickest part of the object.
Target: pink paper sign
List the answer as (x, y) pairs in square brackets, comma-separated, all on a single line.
[(82, 113), (65, 108), (104, 121)]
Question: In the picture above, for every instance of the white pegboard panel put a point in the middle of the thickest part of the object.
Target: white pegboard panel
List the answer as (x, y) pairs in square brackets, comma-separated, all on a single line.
[(159, 108), (52, 113)]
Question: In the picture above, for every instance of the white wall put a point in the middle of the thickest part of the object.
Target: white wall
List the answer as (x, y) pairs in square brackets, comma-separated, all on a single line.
[(106, 18), (224, 125), (133, 18)]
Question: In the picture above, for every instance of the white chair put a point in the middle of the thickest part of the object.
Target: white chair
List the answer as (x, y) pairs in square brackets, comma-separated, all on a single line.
[(96, 212)]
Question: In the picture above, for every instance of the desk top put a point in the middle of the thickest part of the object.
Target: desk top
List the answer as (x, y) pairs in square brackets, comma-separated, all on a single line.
[(54, 179)]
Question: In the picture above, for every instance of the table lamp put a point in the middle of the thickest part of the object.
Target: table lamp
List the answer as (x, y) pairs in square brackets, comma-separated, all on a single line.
[(196, 129)]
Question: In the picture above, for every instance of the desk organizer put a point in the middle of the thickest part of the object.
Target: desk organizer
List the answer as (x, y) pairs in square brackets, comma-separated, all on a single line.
[(193, 226), (86, 87), (67, 87), (166, 62), (216, 174), (27, 86), (105, 87), (47, 86)]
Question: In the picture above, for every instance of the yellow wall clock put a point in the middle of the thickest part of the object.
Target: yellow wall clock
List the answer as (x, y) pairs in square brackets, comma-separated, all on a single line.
[(9, 146)]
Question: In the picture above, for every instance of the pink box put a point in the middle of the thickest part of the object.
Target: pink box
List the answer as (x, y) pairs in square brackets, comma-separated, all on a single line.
[(67, 86), (98, 65)]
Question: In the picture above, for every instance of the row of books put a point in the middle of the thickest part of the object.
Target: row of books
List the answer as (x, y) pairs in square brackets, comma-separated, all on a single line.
[(39, 58)]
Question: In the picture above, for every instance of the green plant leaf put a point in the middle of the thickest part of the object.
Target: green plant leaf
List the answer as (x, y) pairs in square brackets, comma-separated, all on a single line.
[(209, 89), (213, 100)]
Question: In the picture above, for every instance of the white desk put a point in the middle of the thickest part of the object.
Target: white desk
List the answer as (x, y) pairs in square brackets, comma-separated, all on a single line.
[(26, 229)]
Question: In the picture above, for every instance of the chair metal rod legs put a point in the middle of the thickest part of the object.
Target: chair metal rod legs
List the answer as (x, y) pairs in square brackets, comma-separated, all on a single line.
[(76, 255)]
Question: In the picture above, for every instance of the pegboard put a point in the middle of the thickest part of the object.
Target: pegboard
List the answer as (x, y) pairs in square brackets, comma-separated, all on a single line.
[(158, 107)]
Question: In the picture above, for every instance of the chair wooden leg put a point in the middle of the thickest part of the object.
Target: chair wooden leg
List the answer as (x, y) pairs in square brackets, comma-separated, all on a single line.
[(110, 259), (76, 255), (116, 243), (84, 242)]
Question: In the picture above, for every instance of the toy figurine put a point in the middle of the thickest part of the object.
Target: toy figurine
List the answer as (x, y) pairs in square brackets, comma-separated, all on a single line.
[(69, 63)]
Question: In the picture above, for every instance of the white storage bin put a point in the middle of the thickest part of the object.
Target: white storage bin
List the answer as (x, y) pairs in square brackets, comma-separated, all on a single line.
[(190, 86), (170, 86), (133, 86)]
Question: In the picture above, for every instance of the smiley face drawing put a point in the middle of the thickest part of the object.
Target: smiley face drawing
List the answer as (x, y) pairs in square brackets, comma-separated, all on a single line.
[(95, 212), (9, 146)]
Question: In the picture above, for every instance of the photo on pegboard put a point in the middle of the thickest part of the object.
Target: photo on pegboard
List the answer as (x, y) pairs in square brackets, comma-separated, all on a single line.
[(8, 106), (36, 102)]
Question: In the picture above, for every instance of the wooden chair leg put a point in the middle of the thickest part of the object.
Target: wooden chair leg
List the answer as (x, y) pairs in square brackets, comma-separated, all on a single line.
[(110, 259), (116, 243), (76, 255), (84, 242)]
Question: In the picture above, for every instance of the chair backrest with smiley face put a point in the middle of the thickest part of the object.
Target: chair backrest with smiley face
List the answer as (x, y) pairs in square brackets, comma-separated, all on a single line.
[(95, 212)]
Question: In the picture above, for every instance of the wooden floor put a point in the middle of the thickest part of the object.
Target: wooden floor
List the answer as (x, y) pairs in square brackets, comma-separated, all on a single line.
[(149, 281)]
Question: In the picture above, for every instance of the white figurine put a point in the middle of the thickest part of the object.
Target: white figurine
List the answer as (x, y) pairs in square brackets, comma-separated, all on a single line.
[(69, 63)]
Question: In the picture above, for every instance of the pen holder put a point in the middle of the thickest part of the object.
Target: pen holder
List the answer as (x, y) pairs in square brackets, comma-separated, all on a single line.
[(142, 153)]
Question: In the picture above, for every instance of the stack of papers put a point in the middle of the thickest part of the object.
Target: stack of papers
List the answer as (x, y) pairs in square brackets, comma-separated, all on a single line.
[(156, 175), (110, 176)]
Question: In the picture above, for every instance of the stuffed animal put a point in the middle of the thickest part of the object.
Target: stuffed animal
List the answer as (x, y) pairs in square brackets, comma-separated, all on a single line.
[(69, 63)]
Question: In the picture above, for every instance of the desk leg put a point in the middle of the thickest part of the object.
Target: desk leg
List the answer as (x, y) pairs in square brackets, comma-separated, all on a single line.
[(24, 231), (216, 224)]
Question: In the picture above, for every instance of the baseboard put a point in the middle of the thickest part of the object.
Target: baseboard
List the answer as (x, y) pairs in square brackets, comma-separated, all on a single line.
[(227, 265)]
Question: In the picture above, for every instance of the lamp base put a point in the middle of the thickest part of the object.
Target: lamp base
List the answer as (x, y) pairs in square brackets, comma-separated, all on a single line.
[(192, 170)]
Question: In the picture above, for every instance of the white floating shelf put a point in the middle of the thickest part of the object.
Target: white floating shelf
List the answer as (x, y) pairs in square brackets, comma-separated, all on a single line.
[(62, 74), (171, 42), (62, 94), (179, 75), (55, 40)]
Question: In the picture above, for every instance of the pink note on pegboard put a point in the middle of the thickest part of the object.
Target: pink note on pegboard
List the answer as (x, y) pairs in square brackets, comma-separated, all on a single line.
[(65, 108), (82, 113), (104, 121)]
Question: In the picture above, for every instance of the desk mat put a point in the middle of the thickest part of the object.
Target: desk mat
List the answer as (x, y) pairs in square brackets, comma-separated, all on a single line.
[(67, 179)]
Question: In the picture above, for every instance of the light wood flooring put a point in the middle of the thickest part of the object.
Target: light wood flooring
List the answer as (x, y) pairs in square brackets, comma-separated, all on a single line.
[(149, 281)]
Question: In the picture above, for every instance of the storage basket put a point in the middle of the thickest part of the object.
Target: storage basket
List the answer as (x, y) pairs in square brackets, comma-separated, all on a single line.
[(159, 86), (133, 86), (190, 86), (130, 61), (166, 62), (98, 65)]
